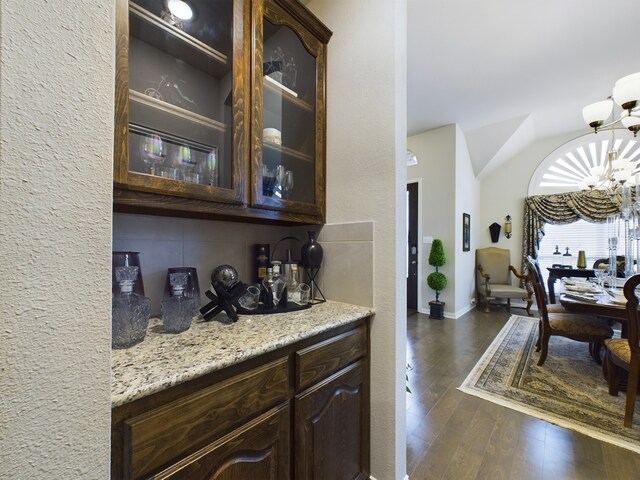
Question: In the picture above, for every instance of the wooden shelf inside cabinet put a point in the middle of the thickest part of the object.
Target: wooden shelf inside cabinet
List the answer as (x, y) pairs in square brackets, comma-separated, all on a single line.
[(290, 152), (273, 86), (152, 102), (154, 30)]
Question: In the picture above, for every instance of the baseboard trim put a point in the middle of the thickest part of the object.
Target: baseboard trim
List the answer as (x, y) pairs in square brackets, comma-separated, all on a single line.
[(452, 315), (464, 310), (406, 477)]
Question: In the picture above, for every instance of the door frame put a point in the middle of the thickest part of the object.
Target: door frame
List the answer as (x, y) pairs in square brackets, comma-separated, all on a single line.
[(421, 260)]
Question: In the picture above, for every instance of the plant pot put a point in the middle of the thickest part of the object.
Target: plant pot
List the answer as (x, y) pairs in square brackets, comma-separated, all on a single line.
[(436, 310)]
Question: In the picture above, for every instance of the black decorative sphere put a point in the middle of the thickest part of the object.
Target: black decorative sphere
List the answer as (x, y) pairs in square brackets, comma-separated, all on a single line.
[(225, 274)]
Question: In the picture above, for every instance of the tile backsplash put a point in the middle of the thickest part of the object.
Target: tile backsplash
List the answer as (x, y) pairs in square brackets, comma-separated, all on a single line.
[(346, 274), (347, 268), (165, 242)]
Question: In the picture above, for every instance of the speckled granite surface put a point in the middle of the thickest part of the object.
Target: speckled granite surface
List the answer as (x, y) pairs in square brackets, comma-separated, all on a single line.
[(163, 360)]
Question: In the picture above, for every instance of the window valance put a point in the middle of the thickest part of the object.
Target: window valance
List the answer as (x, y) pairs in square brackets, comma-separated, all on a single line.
[(559, 209)]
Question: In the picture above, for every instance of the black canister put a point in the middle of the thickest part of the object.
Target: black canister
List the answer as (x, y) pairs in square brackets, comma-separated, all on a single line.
[(311, 252), (262, 253)]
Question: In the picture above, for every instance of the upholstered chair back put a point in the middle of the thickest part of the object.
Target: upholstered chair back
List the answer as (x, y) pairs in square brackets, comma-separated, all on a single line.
[(495, 262)]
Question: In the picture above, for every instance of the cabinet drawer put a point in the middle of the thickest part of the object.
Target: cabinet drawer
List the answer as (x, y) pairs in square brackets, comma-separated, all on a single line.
[(321, 360), (257, 450), (162, 436)]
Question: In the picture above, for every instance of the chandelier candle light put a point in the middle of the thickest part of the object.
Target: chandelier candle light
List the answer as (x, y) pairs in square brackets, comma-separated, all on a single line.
[(616, 171)]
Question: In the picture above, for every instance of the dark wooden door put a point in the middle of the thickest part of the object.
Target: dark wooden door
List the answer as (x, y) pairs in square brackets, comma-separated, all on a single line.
[(412, 246), (258, 450), (330, 428)]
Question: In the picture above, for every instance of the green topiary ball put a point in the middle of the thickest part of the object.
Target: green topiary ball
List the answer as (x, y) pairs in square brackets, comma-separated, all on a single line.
[(437, 281)]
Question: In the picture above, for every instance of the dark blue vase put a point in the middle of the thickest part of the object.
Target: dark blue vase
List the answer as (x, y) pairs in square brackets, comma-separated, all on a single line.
[(311, 252)]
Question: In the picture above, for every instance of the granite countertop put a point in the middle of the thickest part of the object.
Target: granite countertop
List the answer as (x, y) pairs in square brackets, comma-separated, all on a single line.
[(164, 360)]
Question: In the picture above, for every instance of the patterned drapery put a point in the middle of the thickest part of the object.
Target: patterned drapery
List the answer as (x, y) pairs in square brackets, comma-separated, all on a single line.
[(559, 209)]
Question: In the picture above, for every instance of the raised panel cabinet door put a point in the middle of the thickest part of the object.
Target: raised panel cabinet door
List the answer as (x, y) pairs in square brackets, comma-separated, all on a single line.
[(331, 431), (258, 450)]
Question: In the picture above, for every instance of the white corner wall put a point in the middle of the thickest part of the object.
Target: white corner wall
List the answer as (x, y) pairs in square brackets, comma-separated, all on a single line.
[(436, 155), (366, 181), (467, 201), (56, 140), (449, 188), (504, 191)]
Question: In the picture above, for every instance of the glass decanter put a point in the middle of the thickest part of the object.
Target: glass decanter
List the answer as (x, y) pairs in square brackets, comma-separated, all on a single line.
[(274, 285), (177, 310), (292, 285), (129, 311)]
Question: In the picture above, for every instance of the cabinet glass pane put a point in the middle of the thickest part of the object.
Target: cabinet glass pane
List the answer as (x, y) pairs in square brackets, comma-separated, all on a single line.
[(289, 114), (180, 80)]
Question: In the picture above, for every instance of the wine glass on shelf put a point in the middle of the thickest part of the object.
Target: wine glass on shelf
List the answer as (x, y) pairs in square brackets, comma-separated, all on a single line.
[(185, 162), (280, 178), (288, 183), (152, 152)]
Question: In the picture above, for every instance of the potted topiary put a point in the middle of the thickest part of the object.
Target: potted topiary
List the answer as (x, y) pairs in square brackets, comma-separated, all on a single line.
[(437, 280)]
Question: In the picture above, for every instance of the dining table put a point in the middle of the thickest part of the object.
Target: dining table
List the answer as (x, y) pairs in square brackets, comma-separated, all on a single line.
[(557, 273), (600, 305)]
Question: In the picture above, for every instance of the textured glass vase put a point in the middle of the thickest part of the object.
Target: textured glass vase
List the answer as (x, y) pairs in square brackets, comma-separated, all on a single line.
[(178, 309), (129, 311)]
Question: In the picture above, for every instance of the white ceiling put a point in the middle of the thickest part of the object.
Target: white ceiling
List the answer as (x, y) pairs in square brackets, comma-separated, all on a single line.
[(492, 66)]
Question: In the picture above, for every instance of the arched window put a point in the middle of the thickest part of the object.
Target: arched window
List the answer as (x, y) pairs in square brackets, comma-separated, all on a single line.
[(565, 169)]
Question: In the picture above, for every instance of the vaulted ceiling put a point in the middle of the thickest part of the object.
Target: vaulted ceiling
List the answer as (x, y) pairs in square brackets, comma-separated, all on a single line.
[(511, 72)]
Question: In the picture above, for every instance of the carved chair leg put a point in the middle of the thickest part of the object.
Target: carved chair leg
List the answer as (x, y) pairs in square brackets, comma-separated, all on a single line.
[(632, 388), (486, 304), (613, 375), (545, 349), (508, 304), (528, 307), (539, 342)]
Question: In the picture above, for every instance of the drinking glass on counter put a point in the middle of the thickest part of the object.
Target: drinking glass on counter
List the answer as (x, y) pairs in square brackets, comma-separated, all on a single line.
[(250, 299)]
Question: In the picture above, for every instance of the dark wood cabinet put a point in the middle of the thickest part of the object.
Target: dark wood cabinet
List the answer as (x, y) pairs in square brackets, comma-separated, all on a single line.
[(299, 412), (331, 428), (194, 103), (288, 130), (257, 450)]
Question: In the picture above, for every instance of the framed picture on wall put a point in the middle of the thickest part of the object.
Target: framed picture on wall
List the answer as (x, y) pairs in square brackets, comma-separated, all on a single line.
[(466, 232)]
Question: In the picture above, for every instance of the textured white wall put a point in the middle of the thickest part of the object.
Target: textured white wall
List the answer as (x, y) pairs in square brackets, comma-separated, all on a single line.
[(467, 201), (436, 154), (56, 111), (366, 180), (503, 192)]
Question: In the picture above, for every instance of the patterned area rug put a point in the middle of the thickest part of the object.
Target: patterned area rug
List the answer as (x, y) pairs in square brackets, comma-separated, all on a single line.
[(569, 390)]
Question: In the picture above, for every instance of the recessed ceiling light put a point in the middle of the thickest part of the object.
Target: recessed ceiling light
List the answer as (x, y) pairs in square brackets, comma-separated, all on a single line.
[(180, 9)]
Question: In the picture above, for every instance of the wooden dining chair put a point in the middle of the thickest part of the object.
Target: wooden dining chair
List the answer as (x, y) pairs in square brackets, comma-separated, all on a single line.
[(578, 327), (551, 307), (625, 352)]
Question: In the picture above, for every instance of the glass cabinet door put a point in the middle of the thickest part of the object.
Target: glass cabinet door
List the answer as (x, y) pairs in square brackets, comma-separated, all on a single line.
[(288, 163), (185, 98)]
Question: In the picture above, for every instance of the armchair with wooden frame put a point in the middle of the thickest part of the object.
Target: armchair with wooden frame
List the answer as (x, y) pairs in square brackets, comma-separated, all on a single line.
[(493, 278), (625, 352), (578, 327)]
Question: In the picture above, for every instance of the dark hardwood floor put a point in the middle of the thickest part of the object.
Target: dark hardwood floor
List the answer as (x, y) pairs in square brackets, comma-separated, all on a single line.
[(452, 435)]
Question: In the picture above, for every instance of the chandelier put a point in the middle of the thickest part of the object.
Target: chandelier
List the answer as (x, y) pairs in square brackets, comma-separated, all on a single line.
[(616, 171)]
